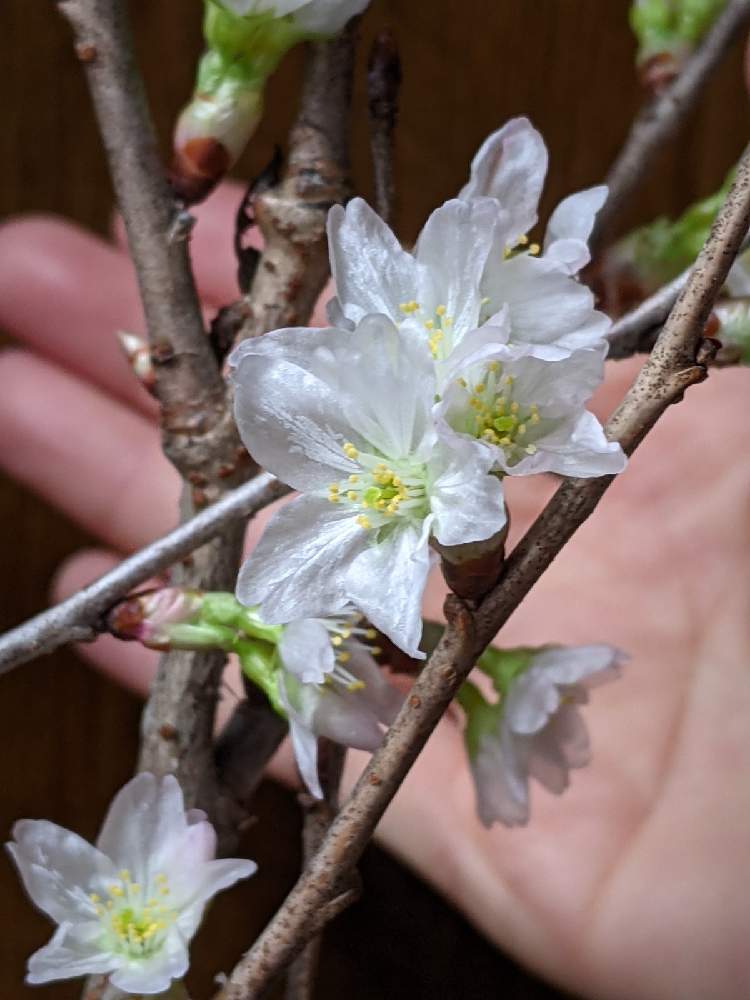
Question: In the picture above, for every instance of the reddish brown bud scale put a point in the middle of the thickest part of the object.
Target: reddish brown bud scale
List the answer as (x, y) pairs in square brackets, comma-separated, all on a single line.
[(197, 167)]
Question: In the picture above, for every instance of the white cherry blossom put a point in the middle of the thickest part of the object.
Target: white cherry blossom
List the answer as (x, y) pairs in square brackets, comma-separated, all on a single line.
[(331, 686), (536, 730), (128, 907), (346, 419), (528, 412), (473, 258)]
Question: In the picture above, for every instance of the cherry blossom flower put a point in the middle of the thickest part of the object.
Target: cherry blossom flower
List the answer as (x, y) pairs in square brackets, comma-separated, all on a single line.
[(128, 907), (346, 418), (536, 729), (473, 258), (528, 412), (331, 686)]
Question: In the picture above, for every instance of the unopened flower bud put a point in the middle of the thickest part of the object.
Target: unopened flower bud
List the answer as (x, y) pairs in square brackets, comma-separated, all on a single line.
[(166, 618), (138, 354)]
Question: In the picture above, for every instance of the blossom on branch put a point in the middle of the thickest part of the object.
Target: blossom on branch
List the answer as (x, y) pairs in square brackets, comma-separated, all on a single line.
[(128, 907), (535, 730), (527, 412), (331, 686), (473, 258), (346, 419)]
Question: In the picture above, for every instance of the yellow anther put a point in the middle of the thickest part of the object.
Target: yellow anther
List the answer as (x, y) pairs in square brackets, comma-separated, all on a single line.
[(116, 890), (376, 650), (462, 382), (349, 450), (534, 417), (409, 307), (530, 449), (440, 311), (480, 387), (354, 478), (351, 495), (124, 875), (521, 428), (94, 898), (343, 657), (336, 640), (534, 249), (508, 380), (484, 301), (506, 253), (371, 633), (345, 633), (505, 440), (164, 891), (494, 366), (363, 522), (522, 240), (514, 407), (355, 685), (429, 324)]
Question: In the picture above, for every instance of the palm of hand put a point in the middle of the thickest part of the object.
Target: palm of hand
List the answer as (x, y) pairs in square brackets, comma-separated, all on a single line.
[(628, 886)]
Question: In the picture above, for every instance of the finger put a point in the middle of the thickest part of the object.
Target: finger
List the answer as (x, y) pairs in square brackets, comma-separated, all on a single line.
[(212, 249), (90, 456), (211, 244), (65, 293)]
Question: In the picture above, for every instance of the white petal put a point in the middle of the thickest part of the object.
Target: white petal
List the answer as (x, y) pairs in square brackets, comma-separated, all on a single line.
[(467, 502), (510, 166), (482, 344), (306, 651), (326, 17), (289, 417), (502, 794), (154, 974), (304, 740), (298, 569), (371, 271), (386, 582), (146, 817), (577, 447), (452, 251), (58, 868), (592, 664), (347, 719), (205, 882), (383, 698), (184, 859), (65, 957), (545, 305), (569, 228)]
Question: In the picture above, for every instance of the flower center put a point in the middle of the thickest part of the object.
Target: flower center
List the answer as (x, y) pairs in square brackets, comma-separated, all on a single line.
[(134, 922), (380, 491), (496, 417)]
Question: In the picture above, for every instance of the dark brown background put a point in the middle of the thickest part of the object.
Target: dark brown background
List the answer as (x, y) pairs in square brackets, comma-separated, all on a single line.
[(69, 737)]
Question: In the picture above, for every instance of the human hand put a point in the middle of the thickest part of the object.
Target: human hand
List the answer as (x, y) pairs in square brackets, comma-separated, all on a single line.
[(628, 887)]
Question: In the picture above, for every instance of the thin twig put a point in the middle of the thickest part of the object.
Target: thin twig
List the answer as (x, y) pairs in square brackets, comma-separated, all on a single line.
[(383, 85), (80, 617), (291, 215), (671, 368), (662, 117), (319, 814), (635, 333)]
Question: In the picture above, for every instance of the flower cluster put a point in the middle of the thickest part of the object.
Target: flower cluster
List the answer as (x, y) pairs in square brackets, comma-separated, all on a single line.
[(128, 907), (443, 371)]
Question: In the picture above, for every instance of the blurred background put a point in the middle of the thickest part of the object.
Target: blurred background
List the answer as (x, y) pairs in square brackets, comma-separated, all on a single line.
[(69, 736)]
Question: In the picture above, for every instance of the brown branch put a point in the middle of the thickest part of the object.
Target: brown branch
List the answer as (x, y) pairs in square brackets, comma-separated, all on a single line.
[(383, 85), (80, 618), (662, 117), (319, 814), (293, 268), (671, 368)]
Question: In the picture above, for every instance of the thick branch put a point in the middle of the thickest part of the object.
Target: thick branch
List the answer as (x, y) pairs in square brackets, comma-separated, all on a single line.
[(80, 617), (293, 268), (662, 117), (670, 369)]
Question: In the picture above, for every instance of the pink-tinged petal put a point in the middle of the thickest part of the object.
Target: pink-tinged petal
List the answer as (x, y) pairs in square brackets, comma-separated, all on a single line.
[(58, 868), (383, 698), (452, 251), (386, 582), (510, 166), (306, 651), (502, 792), (66, 957), (371, 271), (348, 720), (299, 567)]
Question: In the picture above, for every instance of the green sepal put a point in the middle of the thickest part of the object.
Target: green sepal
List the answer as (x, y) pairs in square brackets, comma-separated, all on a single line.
[(199, 636), (502, 666), (482, 717), (222, 608), (259, 663)]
